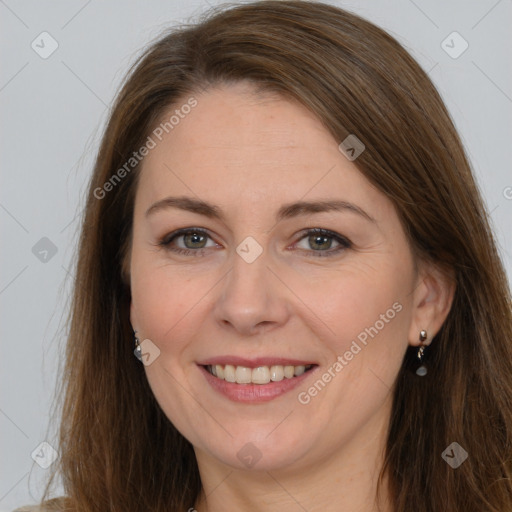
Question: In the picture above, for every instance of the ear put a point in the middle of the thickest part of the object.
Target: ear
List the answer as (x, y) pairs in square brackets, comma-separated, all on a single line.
[(432, 300)]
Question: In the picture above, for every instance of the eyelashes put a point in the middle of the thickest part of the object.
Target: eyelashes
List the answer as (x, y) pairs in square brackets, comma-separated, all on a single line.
[(195, 234), (319, 240), (323, 239)]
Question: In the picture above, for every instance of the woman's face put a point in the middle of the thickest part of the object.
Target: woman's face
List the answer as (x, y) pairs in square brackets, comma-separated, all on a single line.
[(250, 286)]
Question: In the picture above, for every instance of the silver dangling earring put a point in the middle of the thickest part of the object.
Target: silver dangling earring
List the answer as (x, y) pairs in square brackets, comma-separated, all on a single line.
[(422, 369), (137, 351)]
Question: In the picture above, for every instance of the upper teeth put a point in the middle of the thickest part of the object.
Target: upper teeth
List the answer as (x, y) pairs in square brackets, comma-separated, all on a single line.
[(259, 375)]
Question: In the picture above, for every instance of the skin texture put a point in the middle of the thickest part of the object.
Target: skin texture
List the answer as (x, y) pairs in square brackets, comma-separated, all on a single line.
[(249, 154)]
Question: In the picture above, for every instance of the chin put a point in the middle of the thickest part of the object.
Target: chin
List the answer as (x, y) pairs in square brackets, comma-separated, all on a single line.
[(261, 452)]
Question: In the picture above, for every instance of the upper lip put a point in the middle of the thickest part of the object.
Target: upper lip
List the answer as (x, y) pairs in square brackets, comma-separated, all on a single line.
[(253, 363)]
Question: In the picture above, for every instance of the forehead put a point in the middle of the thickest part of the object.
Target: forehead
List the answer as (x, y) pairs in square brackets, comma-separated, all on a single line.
[(239, 145)]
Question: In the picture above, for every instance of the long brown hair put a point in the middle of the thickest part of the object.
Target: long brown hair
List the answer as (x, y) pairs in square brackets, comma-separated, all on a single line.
[(119, 452)]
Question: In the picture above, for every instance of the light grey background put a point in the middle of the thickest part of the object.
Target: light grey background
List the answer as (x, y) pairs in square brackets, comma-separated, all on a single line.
[(52, 113)]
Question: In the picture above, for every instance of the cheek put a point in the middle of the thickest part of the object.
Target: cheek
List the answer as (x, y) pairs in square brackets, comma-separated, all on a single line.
[(161, 298), (358, 303), (367, 316), (371, 321)]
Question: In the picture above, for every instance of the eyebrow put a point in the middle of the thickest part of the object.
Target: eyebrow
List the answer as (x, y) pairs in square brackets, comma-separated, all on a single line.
[(286, 211)]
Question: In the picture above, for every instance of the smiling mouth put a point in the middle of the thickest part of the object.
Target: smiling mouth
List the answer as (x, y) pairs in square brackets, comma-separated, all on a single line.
[(259, 375)]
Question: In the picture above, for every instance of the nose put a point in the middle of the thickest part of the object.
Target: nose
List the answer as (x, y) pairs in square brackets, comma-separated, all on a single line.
[(252, 299)]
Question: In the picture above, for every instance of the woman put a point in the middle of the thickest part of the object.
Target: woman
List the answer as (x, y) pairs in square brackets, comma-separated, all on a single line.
[(283, 227)]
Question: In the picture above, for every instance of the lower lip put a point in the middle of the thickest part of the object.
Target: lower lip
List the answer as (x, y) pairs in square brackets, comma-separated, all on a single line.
[(254, 393)]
